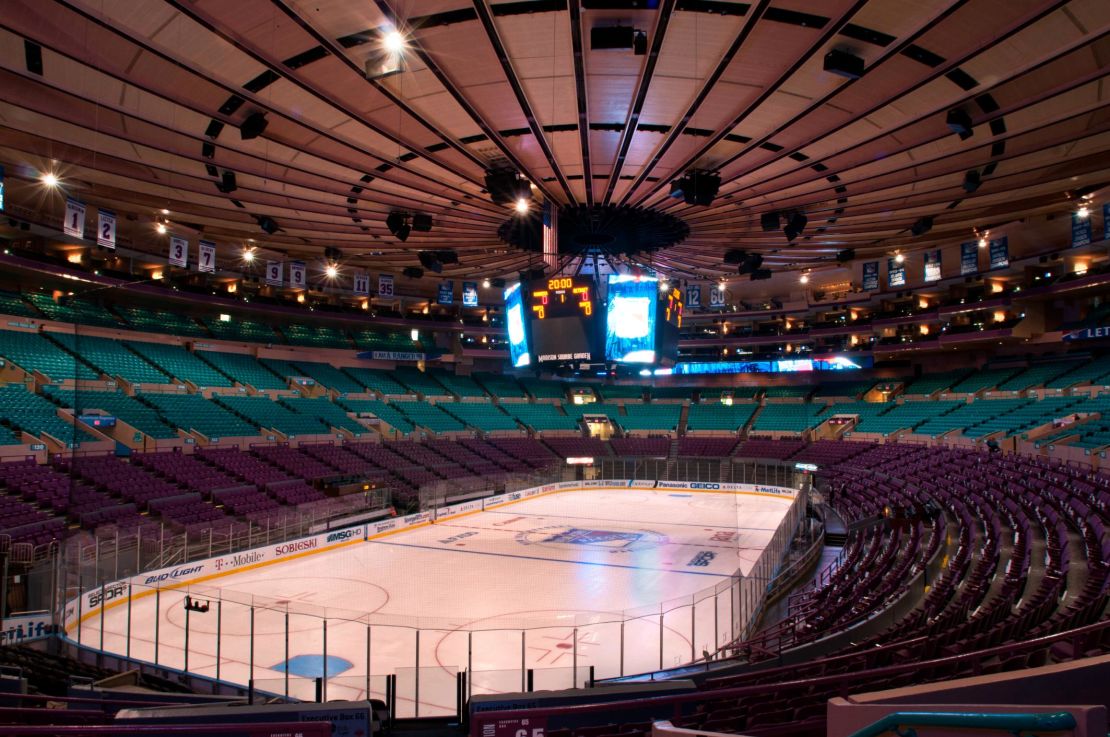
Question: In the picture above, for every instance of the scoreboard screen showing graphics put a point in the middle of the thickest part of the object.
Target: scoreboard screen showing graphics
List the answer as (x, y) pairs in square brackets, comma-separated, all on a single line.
[(514, 321), (562, 319), (630, 319)]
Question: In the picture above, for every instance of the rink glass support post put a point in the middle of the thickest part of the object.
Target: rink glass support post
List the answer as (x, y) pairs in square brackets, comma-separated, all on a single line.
[(621, 671), (287, 653), (80, 599), (219, 633), (103, 602), (251, 639), (574, 658), (469, 664), (660, 640), (157, 616), (367, 661), (716, 620), (324, 685), (128, 645), (416, 695), (523, 666), (693, 626), (187, 612)]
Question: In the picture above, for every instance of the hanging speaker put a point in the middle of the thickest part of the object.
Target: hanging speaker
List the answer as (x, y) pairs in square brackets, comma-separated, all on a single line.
[(253, 126), (421, 222)]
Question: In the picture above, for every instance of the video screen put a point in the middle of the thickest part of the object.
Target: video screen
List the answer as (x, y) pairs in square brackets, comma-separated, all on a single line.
[(630, 319), (514, 321)]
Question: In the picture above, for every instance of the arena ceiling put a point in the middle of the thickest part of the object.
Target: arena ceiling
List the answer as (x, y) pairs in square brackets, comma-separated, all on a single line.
[(140, 104)]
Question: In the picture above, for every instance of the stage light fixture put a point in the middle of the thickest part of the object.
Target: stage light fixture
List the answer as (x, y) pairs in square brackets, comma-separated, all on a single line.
[(253, 126), (50, 179)]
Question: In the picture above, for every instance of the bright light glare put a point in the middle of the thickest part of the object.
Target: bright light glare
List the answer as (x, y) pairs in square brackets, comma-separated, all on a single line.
[(522, 205), (161, 228), (50, 179), (394, 42), (664, 286), (804, 279), (485, 283), (165, 211), (332, 271), (982, 243), (899, 258), (248, 256), (1083, 212)]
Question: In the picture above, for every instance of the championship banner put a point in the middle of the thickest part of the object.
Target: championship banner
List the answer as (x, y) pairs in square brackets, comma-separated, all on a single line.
[(895, 273), (717, 298), (206, 257), (1, 189), (74, 224), (362, 284), (446, 293), (693, 295), (296, 275), (969, 258), (385, 285), (179, 251), (106, 229), (1000, 253), (871, 276), (1080, 230), (1106, 221), (273, 273), (932, 265), (470, 294)]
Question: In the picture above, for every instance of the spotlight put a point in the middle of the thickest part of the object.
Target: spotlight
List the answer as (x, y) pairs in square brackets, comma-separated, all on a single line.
[(664, 286), (332, 271), (795, 225), (899, 258), (1083, 212), (521, 206), (972, 180), (960, 123), (485, 283), (253, 126), (982, 243), (804, 278), (165, 211), (248, 255), (50, 179), (393, 42), (161, 228), (267, 223), (922, 226)]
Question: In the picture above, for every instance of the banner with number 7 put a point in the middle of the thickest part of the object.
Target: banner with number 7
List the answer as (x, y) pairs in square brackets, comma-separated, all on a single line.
[(206, 257)]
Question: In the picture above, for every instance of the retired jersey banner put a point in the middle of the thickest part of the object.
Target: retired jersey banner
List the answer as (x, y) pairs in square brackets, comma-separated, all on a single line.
[(470, 294), (74, 224), (106, 229), (296, 275), (385, 285), (1080, 230), (446, 293), (179, 251), (273, 273), (1106, 221), (1000, 252), (871, 276), (693, 295), (206, 257), (362, 284), (969, 258), (1, 189), (895, 273), (717, 298), (932, 265)]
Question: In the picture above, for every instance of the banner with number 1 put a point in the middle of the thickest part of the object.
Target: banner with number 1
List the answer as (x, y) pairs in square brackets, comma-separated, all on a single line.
[(75, 218)]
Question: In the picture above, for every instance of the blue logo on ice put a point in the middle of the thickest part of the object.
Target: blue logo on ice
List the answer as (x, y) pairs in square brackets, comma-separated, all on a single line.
[(312, 666), (575, 536)]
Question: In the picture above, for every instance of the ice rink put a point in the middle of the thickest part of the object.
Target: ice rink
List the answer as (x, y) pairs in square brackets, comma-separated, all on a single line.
[(624, 580)]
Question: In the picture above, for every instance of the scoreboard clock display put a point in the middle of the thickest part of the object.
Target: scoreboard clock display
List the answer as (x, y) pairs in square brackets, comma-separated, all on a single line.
[(561, 318)]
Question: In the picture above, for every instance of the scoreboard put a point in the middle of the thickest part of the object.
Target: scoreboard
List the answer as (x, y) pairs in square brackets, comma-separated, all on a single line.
[(561, 319)]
